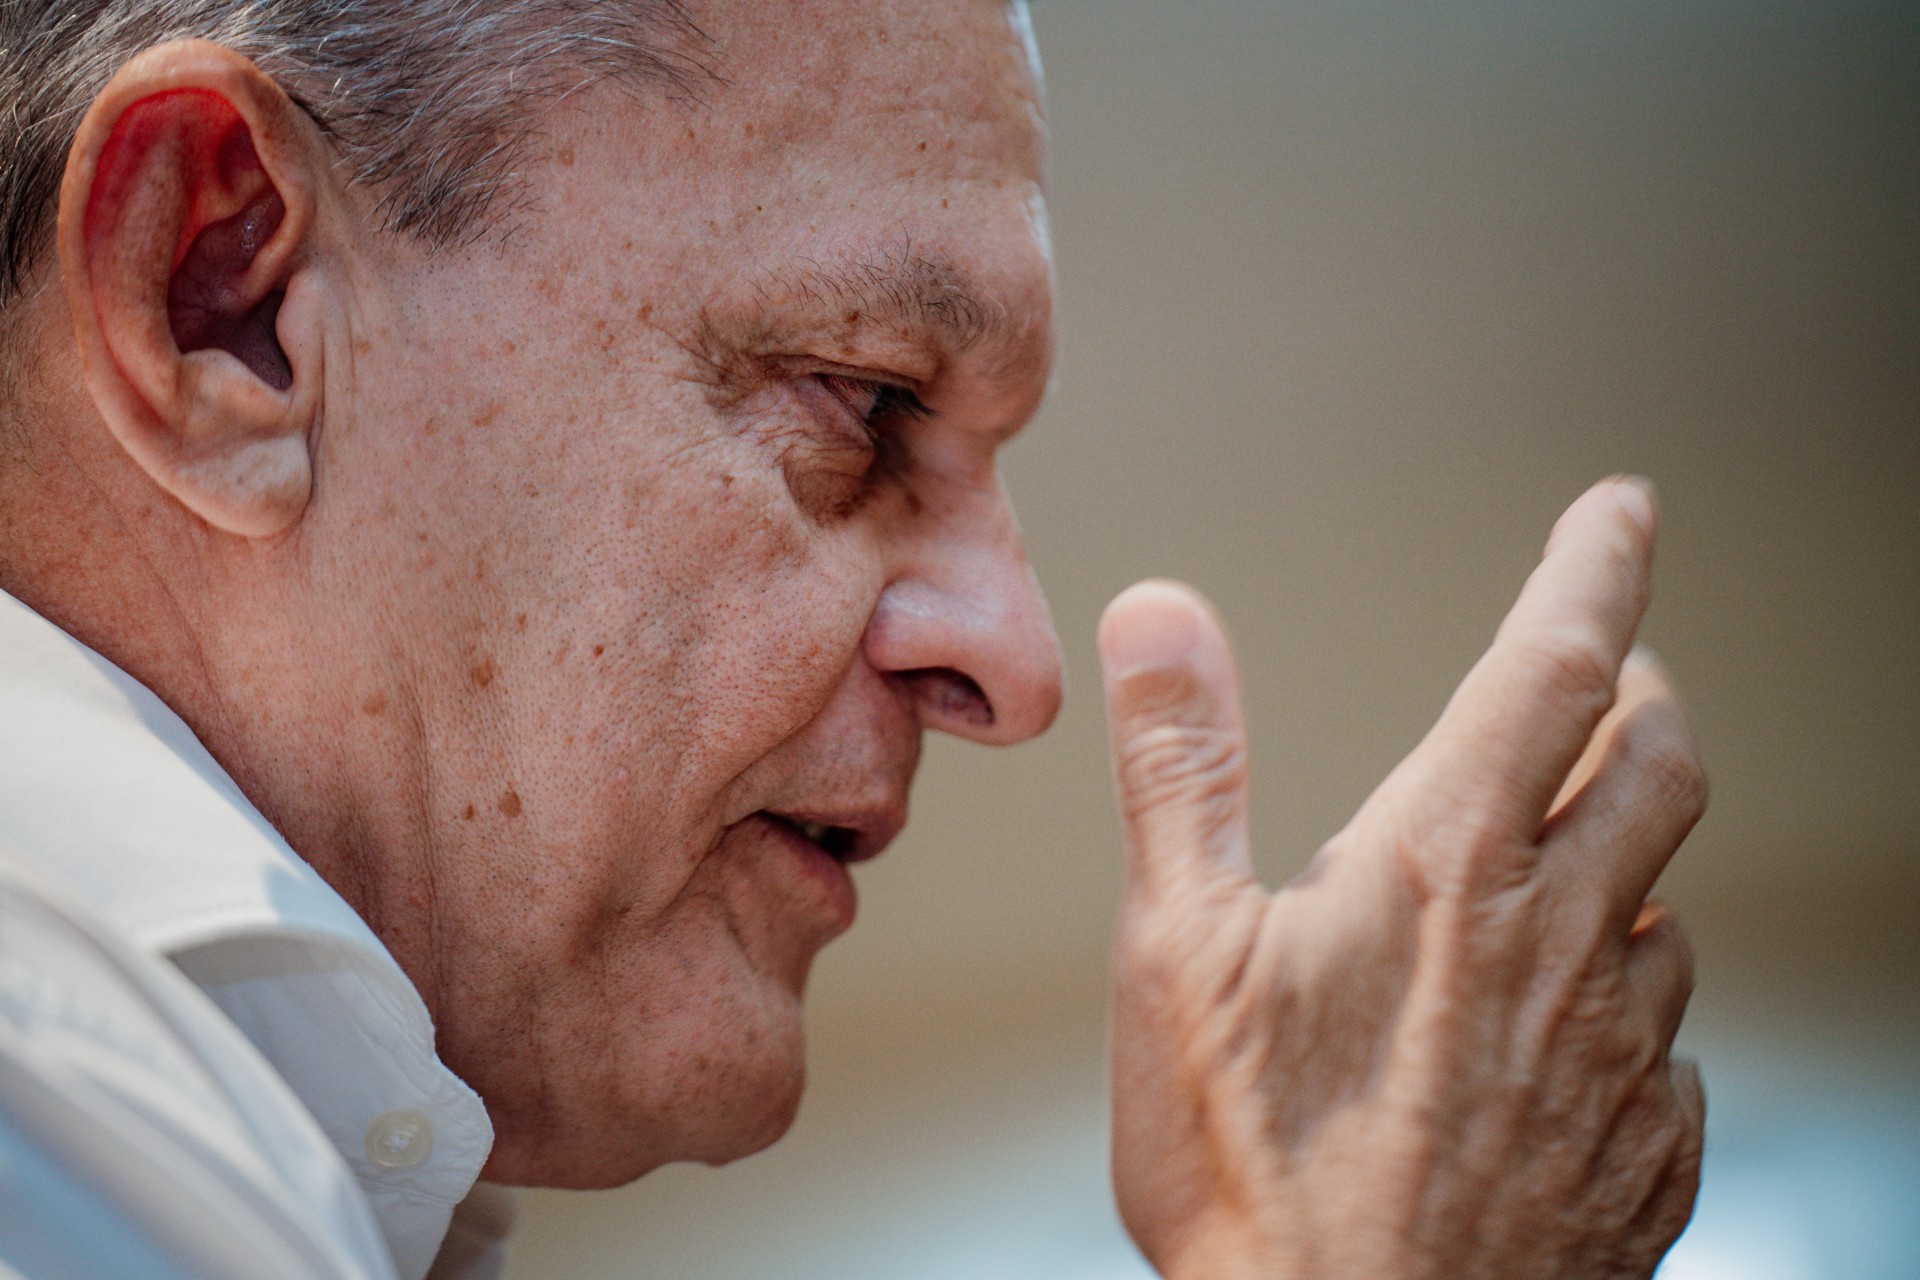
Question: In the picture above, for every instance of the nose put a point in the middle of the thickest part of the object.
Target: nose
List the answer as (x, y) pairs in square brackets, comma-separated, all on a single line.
[(964, 629)]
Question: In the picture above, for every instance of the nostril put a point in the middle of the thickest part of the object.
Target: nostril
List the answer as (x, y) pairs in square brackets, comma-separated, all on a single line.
[(952, 694)]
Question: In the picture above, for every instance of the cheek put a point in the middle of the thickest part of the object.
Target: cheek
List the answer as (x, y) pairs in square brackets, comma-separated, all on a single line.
[(745, 613), (693, 621)]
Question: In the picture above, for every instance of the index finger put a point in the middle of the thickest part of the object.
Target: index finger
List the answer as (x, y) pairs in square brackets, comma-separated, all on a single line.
[(1520, 720)]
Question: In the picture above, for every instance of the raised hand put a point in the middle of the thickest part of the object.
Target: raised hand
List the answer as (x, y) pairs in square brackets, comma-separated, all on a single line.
[(1443, 1050)]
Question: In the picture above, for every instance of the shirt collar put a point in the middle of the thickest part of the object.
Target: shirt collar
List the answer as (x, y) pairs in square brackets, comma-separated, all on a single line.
[(108, 789)]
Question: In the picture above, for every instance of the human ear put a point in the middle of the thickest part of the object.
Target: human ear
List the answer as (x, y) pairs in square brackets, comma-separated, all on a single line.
[(185, 225)]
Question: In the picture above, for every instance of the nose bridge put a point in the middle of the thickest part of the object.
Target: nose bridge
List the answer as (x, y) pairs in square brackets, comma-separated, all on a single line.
[(965, 600)]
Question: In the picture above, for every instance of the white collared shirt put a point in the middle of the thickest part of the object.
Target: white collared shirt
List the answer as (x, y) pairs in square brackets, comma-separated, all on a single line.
[(153, 852)]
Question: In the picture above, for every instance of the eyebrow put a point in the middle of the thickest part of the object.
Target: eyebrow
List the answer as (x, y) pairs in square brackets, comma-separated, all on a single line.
[(896, 283)]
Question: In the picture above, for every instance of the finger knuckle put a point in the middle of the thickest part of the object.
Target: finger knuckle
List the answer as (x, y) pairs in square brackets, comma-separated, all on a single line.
[(1575, 662), (1662, 756), (1679, 955), (1181, 764)]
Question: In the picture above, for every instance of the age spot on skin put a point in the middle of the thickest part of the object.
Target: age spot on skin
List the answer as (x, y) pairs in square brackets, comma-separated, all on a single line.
[(375, 703), (510, 804), (468, 815), (599, 649), (483, 673)]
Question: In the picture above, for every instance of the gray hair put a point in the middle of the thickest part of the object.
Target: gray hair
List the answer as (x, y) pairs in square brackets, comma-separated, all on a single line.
[(430, 101)]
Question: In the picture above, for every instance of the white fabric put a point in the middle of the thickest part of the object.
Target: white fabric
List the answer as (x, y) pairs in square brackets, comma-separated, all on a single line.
[(140, 1134), (109, 793)]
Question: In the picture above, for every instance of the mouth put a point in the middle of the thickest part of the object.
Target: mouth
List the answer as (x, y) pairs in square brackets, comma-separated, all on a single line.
[(842, 844)]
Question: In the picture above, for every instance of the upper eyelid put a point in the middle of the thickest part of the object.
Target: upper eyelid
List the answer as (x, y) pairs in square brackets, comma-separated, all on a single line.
[(891, 394), (901, 399), (800, 366)]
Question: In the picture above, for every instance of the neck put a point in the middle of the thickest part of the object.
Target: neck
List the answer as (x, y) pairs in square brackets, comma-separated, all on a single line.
[(89, 543), (214, 627)]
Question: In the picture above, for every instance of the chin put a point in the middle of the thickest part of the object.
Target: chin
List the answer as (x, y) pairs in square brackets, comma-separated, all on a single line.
[(744, 1106), (717, 1100), (767, 1116)]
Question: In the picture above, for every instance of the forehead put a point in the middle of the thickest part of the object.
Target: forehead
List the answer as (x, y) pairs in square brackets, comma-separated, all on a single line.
[(818, 76), (876, 162)]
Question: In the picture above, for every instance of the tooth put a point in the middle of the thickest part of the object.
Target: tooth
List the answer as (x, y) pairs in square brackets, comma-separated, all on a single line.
[(815, 831)]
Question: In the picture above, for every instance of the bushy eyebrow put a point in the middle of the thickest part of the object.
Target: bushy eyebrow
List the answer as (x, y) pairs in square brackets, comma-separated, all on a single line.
[(895, 284)]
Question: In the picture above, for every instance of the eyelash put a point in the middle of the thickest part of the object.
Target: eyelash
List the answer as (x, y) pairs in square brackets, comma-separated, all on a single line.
[(891, 405), (891, 402)]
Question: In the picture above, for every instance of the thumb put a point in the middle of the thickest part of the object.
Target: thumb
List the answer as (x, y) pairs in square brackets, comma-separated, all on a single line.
[(1179, 740)]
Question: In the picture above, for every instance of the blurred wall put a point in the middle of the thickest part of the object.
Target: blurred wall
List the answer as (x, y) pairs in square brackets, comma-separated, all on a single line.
[(1355, 297)]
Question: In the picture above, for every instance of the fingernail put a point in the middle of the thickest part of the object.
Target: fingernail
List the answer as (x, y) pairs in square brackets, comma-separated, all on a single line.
[(1155, 626), (1638, 496)]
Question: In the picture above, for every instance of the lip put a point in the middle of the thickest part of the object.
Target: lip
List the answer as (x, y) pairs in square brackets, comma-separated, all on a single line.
[(826, 873), (873, 828)]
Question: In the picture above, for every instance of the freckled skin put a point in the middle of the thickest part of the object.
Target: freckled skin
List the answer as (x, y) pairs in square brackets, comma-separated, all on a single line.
[(594, 570)]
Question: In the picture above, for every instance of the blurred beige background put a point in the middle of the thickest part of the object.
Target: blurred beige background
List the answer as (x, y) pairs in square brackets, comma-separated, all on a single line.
[(1355, 298)]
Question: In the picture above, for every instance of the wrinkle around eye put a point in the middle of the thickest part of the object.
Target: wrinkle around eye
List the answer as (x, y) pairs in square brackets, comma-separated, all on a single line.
[(826, 453)]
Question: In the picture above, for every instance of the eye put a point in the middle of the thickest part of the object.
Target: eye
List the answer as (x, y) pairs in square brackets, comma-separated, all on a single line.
[(853, 443), (877, 404), (881, 409)]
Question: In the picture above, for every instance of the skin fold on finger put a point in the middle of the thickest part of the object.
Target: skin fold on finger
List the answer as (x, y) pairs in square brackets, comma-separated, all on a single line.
[(1689, 1091), (1641, 678), (1178, 737), (1659, 975), (1617, 834), (1528, 709), (1673, 1206)]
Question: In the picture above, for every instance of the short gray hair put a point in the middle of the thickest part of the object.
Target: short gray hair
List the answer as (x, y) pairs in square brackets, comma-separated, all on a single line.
[(431, 101)]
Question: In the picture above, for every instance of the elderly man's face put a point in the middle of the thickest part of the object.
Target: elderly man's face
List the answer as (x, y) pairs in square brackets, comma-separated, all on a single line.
[(668, 529)]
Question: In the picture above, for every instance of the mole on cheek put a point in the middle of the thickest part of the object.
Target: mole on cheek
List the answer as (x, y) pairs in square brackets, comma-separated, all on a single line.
[(483, 674), (375, 704), (510, 804)]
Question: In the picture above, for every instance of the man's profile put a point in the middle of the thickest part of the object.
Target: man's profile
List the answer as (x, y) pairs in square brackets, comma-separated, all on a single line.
[(492, 497)]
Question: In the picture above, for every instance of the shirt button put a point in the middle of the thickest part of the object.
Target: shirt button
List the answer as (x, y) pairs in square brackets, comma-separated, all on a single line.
[(399, 1140)]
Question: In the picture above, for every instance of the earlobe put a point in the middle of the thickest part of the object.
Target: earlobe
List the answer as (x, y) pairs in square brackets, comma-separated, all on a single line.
[(184, 226)]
